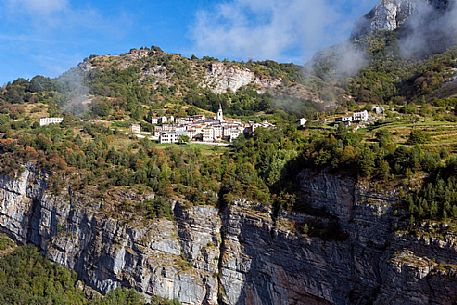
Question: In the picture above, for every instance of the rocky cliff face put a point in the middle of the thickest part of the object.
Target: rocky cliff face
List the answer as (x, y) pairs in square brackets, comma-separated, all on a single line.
[(363, 260), (171, 259), (350, 252), (222, 78), (392, 14)]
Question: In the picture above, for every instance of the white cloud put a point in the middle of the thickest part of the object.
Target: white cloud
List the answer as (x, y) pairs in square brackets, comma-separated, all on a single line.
[(42, 7), (262, 29)]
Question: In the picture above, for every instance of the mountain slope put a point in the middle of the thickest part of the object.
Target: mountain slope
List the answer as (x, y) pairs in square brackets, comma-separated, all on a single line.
[(405, 50), (411, 51), (180, 76)]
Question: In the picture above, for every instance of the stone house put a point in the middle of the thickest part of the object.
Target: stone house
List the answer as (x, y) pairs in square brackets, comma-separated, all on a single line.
[(361, 116), (48, 121), (168, 138), (135, 128)]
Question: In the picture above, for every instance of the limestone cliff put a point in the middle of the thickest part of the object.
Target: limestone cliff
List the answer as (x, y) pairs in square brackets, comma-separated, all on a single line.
[(390, 15), (350, 252), (365, 262), (171, 259)]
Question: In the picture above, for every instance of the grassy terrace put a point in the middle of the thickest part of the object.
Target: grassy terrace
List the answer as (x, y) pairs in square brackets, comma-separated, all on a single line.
[(442, 134), (441, 131)]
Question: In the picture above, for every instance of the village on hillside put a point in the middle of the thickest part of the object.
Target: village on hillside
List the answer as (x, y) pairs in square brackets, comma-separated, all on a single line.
[(198, 129), (221, 131)]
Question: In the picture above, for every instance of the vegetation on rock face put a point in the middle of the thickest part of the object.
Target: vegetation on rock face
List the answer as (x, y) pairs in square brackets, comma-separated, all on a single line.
[(26, 277), (437, 199)]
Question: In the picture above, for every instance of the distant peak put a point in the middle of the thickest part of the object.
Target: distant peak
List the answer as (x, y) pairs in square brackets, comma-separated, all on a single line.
[(389, 15)]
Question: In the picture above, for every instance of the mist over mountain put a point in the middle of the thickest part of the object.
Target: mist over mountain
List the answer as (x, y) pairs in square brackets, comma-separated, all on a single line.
[(424, 26)]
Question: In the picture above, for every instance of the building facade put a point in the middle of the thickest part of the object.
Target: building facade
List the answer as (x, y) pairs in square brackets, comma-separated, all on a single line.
[(48, 121), (135, 128), (168, 138), (361, 116)]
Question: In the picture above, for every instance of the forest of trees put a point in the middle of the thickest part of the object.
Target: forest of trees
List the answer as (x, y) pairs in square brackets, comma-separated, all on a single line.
[(437, 199)]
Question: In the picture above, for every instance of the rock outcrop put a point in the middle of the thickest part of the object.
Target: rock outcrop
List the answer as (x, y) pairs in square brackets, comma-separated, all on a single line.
[(390, 15), (346, 250), (221, 78)]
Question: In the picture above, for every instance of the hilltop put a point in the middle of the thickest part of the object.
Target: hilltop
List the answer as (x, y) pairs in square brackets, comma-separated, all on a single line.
[(174, 78)]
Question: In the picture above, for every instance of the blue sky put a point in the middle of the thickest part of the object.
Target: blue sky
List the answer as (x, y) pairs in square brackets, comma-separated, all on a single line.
[(46, 37)]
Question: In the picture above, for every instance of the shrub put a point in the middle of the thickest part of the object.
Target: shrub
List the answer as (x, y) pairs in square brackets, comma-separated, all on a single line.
[(418, 137)]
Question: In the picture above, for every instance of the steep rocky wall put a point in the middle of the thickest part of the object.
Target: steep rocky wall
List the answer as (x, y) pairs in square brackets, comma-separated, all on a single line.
[(267, 264), (277, 262), (221, 78), (176, 260), (241, 254)]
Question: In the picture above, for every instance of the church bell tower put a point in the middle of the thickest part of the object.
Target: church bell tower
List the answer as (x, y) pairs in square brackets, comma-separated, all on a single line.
[(220, 115)]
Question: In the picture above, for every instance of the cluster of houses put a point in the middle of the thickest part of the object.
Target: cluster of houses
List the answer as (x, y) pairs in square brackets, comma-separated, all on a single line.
[(198, 128)]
